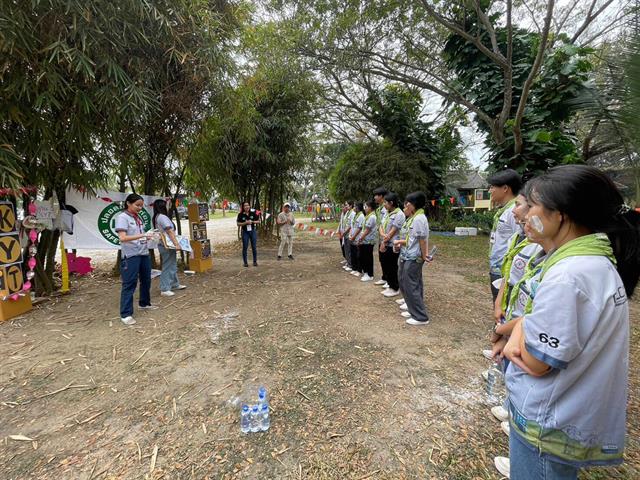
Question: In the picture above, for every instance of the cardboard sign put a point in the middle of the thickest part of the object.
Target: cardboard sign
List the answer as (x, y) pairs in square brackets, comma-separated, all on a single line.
[(11, 280), (10, 251), (7, 218), (199, 231), (44, 209), (203, 212)]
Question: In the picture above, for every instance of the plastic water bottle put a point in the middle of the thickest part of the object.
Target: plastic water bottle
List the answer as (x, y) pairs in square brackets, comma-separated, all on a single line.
[(265, 421), (245, 419), (255, 419), (494, 381), (262, 396)]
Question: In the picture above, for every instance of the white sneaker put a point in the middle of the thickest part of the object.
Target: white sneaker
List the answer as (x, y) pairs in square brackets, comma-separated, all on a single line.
[(500, 413), (128, 320), (366, 278), (488, 354), (505, 428), (503, 466), (343, 262), (404, 307), (485, 375), (413, 321), (167, 293), (400, 301), (149, 307), (406, 314), (356, 274), (348, 269), (180, 287), (386, 285), (389, 292), (379, 282), (382, 292)]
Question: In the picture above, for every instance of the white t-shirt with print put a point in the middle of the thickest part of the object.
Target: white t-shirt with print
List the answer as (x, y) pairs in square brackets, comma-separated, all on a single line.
[(579, 326)]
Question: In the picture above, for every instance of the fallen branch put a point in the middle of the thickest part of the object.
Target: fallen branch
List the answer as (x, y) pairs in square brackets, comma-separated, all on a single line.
[(141, 355), (302, 393), (306, 351), (217, 393)]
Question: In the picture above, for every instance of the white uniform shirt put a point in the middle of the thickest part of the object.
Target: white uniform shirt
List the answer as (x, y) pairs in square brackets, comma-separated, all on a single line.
[(499, 241), (579, 326)]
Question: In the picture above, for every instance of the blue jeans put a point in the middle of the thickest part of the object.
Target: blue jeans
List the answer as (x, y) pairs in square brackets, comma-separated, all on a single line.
[(246, 238), (130, 269), (169, 275), (527, 463)]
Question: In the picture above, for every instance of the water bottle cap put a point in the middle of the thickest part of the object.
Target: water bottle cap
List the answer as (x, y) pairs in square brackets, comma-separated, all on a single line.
[(245, 408), (255, 408), (265, 407), (262, 392)]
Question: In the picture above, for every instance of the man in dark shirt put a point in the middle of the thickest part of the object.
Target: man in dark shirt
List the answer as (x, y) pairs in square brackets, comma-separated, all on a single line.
[(248, 218)]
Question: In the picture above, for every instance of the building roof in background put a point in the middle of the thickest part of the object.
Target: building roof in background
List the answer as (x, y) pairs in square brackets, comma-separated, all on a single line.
[(466, 180)]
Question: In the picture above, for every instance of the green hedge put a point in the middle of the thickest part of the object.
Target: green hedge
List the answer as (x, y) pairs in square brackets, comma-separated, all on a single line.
[(447, 220)]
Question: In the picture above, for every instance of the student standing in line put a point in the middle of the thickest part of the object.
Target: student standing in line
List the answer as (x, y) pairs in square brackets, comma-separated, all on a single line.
[(381, 212), (135, 263), (248, 218), (366, 241), (351, 215), (503, 186), (568, 377), (169, 276), (286, 221), (389, 232), (356, 228), (344, 212), (414, 247)]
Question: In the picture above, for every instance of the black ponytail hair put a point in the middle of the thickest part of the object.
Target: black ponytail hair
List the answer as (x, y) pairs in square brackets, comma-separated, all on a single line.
[(359, 207), (590, 199), (393, 199), (372, 204), (159, 208), (131, 198), (417, 199)]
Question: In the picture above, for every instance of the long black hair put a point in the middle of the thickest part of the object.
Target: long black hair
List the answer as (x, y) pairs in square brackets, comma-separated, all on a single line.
[(590, 199), (372, 205), (417, 199), (393, 199), (159, 207), (359, 207)]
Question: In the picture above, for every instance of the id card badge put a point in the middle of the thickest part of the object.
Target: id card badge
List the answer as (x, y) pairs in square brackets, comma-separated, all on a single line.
[(249, 227)]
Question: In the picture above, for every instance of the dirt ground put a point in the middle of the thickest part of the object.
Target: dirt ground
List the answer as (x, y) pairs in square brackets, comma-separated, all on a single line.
[(355, 392)]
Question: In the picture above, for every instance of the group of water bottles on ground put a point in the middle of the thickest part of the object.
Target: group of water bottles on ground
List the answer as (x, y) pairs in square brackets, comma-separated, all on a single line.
[(255, 418)]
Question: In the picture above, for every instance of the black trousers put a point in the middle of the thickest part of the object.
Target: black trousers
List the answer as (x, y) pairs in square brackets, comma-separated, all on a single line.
[(341, 240), (355, 257), (494, 291), (380, 259), (389, 261), (366, 259)]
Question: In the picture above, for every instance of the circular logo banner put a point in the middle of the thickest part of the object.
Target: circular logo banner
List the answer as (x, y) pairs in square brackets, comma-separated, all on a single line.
[(107, 222)]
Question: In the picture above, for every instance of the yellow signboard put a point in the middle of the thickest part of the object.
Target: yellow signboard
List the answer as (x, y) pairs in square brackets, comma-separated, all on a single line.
[(7, 218), (10, 251)]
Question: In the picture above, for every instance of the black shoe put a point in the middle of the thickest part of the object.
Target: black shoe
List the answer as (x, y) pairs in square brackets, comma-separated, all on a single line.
[(290, 257), (255, 264), (246, 265), (279, 257)]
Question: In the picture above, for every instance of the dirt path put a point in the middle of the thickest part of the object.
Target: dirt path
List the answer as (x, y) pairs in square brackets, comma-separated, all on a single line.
[(355, 392)]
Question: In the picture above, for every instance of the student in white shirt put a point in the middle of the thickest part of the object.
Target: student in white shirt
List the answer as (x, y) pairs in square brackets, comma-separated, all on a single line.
[(348, 225), (381, 212), (354, 233), (414, 247), (366, 240), (503, 186), (568, 376)]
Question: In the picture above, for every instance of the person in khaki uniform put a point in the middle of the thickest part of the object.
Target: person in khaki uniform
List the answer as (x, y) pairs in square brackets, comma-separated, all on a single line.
[(286, 222)]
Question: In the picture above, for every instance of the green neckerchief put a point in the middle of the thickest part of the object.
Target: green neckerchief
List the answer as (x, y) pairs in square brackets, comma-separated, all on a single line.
[(530, 270), (595, 244), (408, 222), (387, 217), (496, 217), (378, 212), (515, 247), (356, 218), (364, 224)]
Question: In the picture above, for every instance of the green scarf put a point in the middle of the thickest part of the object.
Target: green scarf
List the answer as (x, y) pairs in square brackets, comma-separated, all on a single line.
[(595, 244), (364, 224), (501, 210), (378, 214), (515, 248), (387, 218), (408, 222)]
